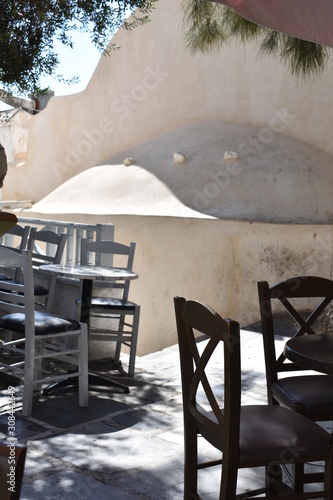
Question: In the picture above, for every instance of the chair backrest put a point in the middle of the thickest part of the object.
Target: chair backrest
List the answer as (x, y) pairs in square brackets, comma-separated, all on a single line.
[(47, 247), (193, 317), (11, 479), (18, 297), (16, 237), (305, 299), (109, 253)]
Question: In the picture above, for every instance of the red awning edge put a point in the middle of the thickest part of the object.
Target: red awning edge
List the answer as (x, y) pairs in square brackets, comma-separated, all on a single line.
[(310, 20)]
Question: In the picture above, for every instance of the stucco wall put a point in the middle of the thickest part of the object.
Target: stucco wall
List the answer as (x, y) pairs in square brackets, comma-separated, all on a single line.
[(218, 262), (14, 135), (151, 85)]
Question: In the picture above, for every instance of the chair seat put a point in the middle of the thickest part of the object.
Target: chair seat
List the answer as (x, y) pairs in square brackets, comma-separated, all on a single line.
[(266, 429), (40, 290), (269, 431), (313, 392), (44, 323), (111, 303), (4, 277)]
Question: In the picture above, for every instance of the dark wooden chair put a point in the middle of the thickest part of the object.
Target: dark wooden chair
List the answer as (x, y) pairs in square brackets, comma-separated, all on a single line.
[(308, 394), (11, 456), (247, 436), (312, 394)]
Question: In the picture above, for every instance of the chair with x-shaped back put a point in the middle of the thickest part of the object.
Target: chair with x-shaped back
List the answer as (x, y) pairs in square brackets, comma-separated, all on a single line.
[(305, 300), (309, 394), (267, 436)]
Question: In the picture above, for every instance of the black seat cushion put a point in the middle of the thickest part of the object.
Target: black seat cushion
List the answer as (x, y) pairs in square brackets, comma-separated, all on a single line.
[(40, 290), (44, 323), (271, 431), (4, 277), (110, 303), (313, 392)]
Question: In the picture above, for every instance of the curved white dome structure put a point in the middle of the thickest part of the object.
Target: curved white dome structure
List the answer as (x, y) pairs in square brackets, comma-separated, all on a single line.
[(274, 178)]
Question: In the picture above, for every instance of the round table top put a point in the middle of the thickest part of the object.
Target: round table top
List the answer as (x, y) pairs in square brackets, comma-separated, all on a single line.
[(312, 351), (89, 272)]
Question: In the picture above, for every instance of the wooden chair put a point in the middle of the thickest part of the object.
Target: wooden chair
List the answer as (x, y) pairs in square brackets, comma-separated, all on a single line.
[(310, 395), (37, 335), (47, 247), (247, 436), (15, 238), (11, 455), (111, 304)]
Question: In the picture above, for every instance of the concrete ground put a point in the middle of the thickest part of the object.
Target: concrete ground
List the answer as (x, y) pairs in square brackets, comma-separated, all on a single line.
[(123, 446)]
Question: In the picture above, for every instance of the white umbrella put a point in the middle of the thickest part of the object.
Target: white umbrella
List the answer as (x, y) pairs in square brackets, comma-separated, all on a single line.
[(310, 20)]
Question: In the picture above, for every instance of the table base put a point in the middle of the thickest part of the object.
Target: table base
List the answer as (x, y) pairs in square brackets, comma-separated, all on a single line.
[(93, 380)]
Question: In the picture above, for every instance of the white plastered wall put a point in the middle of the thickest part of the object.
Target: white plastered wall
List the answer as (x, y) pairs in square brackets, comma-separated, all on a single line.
[(152, 85), (215, 261)]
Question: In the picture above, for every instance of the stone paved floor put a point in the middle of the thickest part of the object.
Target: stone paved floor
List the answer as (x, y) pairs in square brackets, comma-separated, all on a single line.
[(123, 446)]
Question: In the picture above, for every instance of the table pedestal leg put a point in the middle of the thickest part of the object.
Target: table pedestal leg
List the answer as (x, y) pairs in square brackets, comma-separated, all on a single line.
[(93, 380)]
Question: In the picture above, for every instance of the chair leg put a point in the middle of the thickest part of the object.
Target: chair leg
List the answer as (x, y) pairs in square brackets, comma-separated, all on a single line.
[(190, 462), (38, 367), (119, 343), (328, 477), (273, 474), (29, 370), (229, 476), (298, 477), (134, 341), (83, 366)]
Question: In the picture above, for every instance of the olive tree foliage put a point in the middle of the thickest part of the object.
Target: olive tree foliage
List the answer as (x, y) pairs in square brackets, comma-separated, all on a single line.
[(208, 26), (28, 29)]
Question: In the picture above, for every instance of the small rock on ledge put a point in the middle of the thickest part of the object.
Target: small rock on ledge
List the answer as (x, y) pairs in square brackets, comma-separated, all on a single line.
[(179, 158), (128, 162)]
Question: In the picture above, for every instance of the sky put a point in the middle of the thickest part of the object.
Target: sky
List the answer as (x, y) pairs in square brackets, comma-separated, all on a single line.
[(80, 61)]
